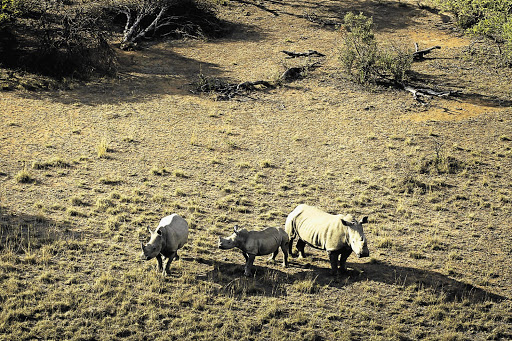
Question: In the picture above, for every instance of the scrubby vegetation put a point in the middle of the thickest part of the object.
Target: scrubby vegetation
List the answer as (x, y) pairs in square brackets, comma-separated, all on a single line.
[(491, 19), (56, 39), (76, 39), (365, 60)]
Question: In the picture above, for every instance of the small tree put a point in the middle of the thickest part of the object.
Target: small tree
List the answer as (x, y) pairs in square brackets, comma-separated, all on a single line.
[(364, 60)]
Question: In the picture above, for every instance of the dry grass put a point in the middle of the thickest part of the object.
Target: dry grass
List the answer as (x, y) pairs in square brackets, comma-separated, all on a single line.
[(434, 180)]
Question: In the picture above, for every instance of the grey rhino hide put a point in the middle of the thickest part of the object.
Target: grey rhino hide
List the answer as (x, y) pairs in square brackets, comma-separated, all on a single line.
[(170, 236)]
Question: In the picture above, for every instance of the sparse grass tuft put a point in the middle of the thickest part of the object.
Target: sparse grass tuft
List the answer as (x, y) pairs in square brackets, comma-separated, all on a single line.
[(384, 243), (266, 164), (102, 149), (308, 285), (54, 162), (24, 177), (110, 181), (180, 174), (158, 171)]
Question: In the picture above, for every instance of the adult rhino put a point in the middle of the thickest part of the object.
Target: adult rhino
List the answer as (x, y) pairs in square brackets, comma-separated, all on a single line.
[(257, 243), (169, 236), (339, 235)]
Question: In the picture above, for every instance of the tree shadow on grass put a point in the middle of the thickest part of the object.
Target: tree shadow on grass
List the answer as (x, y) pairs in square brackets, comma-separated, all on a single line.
[(387, 15), (458, 90), (153, 71)]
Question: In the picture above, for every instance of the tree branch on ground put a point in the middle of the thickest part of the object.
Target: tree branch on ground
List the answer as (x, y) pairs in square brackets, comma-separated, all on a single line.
[(308, 53), (226, 90), (420, 54), (420, 93)]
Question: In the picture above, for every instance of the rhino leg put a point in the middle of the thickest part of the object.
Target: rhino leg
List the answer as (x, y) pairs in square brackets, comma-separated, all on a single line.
[(160, 265), (284, 247), (245, 255), (274, 255), (290, 245), (333, 258), (343, 259), (248, 265), (300, 247), (169, 261)]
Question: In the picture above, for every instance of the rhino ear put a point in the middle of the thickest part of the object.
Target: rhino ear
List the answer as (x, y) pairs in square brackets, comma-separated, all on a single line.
[(236, 229), (149, 230), (364, 220), (159, 232), (344, 222)]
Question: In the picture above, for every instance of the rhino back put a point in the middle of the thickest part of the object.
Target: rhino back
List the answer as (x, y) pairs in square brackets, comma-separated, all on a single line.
[(263, 242), (321, 229), (174, 231)]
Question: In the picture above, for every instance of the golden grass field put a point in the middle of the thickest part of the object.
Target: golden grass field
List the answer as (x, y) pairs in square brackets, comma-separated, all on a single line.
[(84, 172)]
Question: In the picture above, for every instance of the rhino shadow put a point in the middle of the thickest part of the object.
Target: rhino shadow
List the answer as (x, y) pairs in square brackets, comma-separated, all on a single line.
[(403, 276), (454, 290), (265, 281)]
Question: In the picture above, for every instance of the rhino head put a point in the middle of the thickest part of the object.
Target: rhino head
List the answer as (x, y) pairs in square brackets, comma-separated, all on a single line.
[(153, 247), (233, 240), (356, 236)]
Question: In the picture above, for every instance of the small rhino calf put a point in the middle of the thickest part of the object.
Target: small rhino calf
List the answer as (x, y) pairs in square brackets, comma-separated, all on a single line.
[(257, 243), (170, 235)]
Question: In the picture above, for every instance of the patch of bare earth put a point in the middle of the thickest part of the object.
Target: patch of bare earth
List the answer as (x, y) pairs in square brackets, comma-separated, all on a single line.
[(107, 159)]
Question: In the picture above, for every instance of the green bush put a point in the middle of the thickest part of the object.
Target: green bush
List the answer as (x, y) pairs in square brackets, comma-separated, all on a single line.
[(488, 18), (365, 61), (8, 10)]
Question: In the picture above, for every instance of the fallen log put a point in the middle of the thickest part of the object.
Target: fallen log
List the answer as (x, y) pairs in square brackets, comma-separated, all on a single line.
[(420, 54), (425, 92), (308, 53), (320, 21), (252, 85), (297, 72)]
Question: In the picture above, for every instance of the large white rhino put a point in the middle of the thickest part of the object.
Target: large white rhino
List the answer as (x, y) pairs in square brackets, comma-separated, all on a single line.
[(339, 235), (170, 236), (257, 243)]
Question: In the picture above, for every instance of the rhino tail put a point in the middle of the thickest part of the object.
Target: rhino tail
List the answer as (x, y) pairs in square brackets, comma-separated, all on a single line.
[(290, 226)]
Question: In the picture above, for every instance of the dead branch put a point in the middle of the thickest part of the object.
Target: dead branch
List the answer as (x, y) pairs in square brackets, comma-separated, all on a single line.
[(252, 85), (419, 93), (292, 74), (295, 73), (308, 53), (420, 54), (314, 18)]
